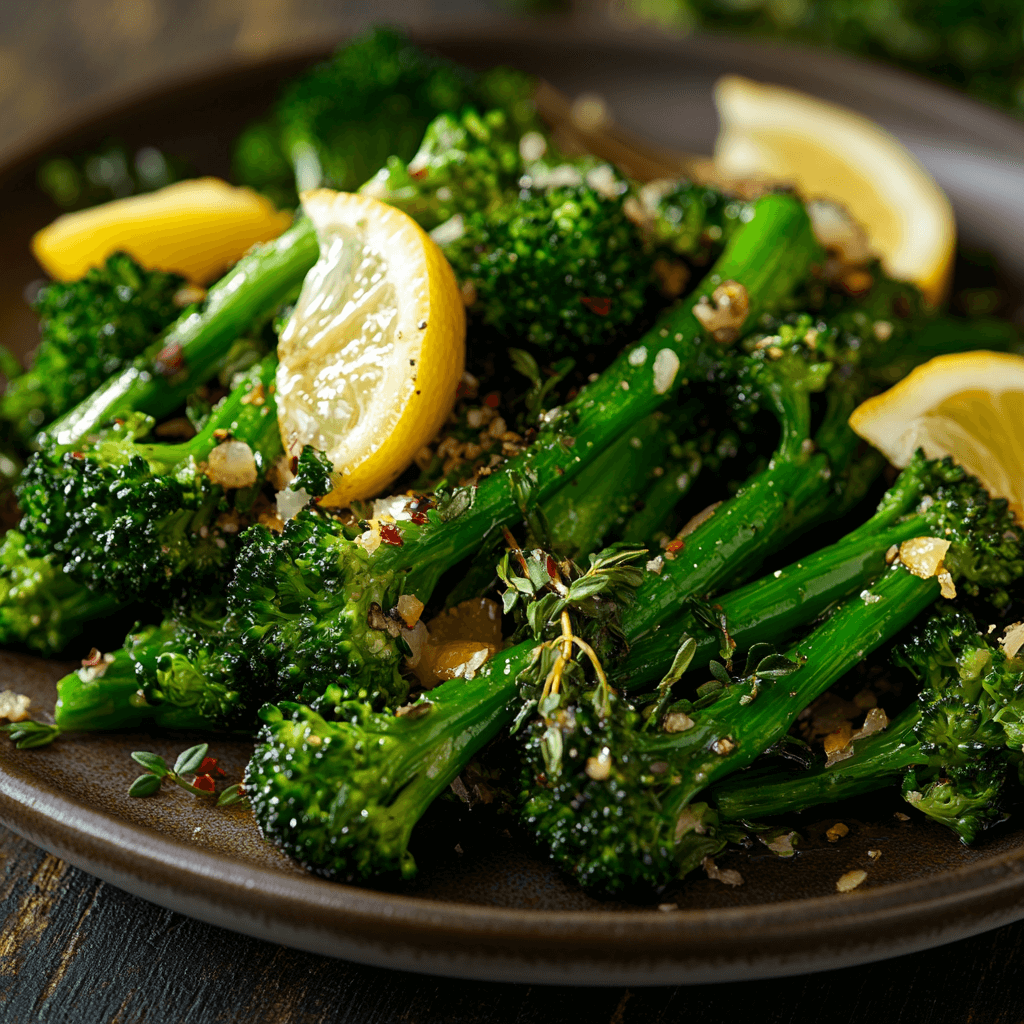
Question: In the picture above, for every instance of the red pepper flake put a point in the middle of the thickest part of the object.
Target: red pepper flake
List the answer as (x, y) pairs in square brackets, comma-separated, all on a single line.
[(169, 360), (493, 400), (389, 534), (205, 783), (597, 305), (209, 766), (673, 547), (419, 518)]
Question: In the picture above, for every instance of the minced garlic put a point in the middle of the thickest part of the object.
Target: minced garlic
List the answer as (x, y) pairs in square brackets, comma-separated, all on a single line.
[(923, 557), (14, 706)]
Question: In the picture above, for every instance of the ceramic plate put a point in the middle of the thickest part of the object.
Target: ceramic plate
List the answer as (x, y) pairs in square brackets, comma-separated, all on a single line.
[(484, 906)]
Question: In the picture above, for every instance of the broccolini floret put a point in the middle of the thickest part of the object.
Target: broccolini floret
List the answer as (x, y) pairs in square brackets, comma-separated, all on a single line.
[(338, 123), (560, 268), (147, 521), (41, 607), (91, 328), (186, 673)]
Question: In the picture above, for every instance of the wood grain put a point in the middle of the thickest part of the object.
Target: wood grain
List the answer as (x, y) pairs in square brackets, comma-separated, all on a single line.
[(73, 949)]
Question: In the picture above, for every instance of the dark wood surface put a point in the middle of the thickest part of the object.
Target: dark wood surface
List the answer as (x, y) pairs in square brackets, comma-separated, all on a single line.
[(74, 949)]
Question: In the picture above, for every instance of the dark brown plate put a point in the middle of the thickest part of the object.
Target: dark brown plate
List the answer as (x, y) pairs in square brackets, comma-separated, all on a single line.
[(483, 906)]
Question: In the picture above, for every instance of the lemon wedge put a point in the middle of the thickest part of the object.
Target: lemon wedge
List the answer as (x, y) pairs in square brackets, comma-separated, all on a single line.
[(197, 228), (969, 406), (374, 351), (828, 152)]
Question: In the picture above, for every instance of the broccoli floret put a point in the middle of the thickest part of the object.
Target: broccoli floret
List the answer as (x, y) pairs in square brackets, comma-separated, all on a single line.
[(956, 734), (684, 218), (146, 521), (467, 163), (337, 124), (600, 812), (40, 606), (560, 268), (313, 612), (967, 804), (342, 796), (91, 329), (312, 472), (187, 673)]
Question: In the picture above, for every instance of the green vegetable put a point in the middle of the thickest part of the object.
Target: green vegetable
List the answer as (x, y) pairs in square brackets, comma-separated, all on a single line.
[(91, 328), (190, 351), (338, 123), (560, 268), (40, 606), (952, 751), (142, 521)]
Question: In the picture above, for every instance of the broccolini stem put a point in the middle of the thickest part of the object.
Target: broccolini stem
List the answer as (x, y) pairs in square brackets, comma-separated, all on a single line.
[(878, 762), (247, 414), (581, 514), (772, 607), (770, 256), (577, 519), (740, 532), (658, 502), (186, 355), (104, 697), (752, 715)]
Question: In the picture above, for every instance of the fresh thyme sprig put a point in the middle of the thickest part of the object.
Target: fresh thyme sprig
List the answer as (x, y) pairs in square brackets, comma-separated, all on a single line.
[(189, 762), (574, 614), (27, 734)]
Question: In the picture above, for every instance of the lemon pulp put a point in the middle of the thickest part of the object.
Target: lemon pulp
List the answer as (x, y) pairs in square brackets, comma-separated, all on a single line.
[(373, 353), (969, 406), (829, 152)]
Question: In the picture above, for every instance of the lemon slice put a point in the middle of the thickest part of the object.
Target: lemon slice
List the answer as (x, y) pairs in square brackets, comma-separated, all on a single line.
[(374, 351), (828, 152), (969, 406), (196, 228)]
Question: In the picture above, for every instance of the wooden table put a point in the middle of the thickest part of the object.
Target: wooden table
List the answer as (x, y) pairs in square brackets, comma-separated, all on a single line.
[(74, 949)]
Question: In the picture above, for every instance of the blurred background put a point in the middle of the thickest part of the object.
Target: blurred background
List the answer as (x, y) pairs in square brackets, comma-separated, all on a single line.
[(62, 56)]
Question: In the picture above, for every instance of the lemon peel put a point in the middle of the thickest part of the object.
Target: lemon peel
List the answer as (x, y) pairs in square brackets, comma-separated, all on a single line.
[(197, 228), (829, 152), (969, 406)]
